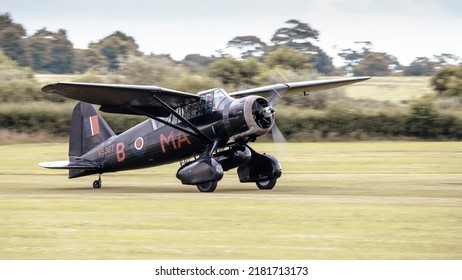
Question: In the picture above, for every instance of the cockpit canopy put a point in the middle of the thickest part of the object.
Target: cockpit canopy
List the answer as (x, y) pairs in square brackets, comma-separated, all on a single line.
[(214, 98), (211, 100)]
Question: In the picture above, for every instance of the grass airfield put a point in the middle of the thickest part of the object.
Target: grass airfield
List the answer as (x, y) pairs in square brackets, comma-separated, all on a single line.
[(359, 200)]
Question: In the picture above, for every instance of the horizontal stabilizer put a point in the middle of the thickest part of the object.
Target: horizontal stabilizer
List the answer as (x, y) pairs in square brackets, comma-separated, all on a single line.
[(65, 164)]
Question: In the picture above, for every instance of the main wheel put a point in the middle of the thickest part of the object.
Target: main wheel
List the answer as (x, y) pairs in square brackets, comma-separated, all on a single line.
[(208, 186), (267, 185), (97, 184)]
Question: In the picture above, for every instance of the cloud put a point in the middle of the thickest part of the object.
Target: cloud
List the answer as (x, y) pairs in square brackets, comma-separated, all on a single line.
[(408, 8), (154, 9)]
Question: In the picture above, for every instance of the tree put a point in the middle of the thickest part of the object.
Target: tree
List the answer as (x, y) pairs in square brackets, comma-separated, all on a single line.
[(11, 35), (16, 83), (448, 81), (147, 70), (11, 70), (247, 46), (297, 35), (352, 56), (421, 66), (300, 36), (50, 51), (188, 82), (446, 59), (361, 60), (249, 69), (289, 58), (235, 72), (86, 59), (375, 64), (423, 119), (197, 63), (321, 61), (199, 59), (115, 47), (227, 70), (424, 66)]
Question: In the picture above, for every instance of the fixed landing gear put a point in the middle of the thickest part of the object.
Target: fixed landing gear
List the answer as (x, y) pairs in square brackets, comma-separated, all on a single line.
[(97, 183), (262, 169), (204, 172), (207, 186)]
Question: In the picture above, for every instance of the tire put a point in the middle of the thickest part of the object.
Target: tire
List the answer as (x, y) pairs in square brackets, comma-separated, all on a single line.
[(97, 184), (267, 185), (208, 186)]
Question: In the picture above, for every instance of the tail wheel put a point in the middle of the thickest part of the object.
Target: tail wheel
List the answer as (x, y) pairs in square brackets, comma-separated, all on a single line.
[(267, 185), (97, 184), (208, 186)]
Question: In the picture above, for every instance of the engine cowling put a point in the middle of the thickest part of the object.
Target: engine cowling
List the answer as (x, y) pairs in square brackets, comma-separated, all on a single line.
[(251, 116)]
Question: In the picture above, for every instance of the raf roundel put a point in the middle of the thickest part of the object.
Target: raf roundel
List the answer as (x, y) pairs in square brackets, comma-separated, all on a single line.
[(139, 143)]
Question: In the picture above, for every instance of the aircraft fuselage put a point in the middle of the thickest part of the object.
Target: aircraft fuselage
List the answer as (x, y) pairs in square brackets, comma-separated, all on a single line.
[(150, 144)]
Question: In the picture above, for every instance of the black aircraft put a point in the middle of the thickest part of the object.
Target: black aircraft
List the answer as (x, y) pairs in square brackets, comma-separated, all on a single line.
[(207, 132)]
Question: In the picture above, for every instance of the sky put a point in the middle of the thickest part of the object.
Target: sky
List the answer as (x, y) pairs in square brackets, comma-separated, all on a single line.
[(404, 28)]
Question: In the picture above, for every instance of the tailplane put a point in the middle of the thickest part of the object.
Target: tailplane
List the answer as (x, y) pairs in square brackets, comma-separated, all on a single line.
[(88, 130)]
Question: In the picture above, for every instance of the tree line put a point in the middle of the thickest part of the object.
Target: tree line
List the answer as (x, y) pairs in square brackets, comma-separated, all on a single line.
[(422, 121), (293, 46), (291, 55), (319, 116)]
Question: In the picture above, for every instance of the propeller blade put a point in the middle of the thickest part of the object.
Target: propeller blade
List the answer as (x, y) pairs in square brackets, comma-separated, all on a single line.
[(277, 135), (275, 97)]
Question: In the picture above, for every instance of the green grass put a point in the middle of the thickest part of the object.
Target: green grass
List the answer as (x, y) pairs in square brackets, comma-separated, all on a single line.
[(364, 200)]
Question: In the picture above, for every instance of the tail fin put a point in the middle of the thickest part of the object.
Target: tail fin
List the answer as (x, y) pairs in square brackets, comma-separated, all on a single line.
[(88, 130)]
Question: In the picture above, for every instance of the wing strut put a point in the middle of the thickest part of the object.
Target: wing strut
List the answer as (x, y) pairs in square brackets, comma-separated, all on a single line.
[(144, 113), (180, 117), (195, 131)]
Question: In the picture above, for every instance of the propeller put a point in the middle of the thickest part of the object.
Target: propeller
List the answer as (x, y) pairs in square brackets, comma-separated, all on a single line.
[(278, 137), (264, 115)]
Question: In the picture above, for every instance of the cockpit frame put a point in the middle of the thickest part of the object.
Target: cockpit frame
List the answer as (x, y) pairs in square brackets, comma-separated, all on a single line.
[(211, 100)]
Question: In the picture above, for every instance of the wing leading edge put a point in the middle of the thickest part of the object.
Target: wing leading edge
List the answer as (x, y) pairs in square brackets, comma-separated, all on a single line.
[(298, 87), (146, 100)]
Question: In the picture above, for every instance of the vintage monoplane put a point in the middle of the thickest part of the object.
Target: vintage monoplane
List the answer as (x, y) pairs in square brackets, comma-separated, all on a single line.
[(207, 132)]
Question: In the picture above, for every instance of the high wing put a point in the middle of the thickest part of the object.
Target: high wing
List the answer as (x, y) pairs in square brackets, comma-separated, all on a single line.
[(297, 87), (124, 99), (147, 100)]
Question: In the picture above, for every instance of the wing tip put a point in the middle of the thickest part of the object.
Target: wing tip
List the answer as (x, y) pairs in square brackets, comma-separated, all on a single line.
[(363, 78), (48, 87)]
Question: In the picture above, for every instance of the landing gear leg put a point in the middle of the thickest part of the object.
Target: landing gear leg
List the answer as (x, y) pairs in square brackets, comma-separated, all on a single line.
[(97, 183)]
